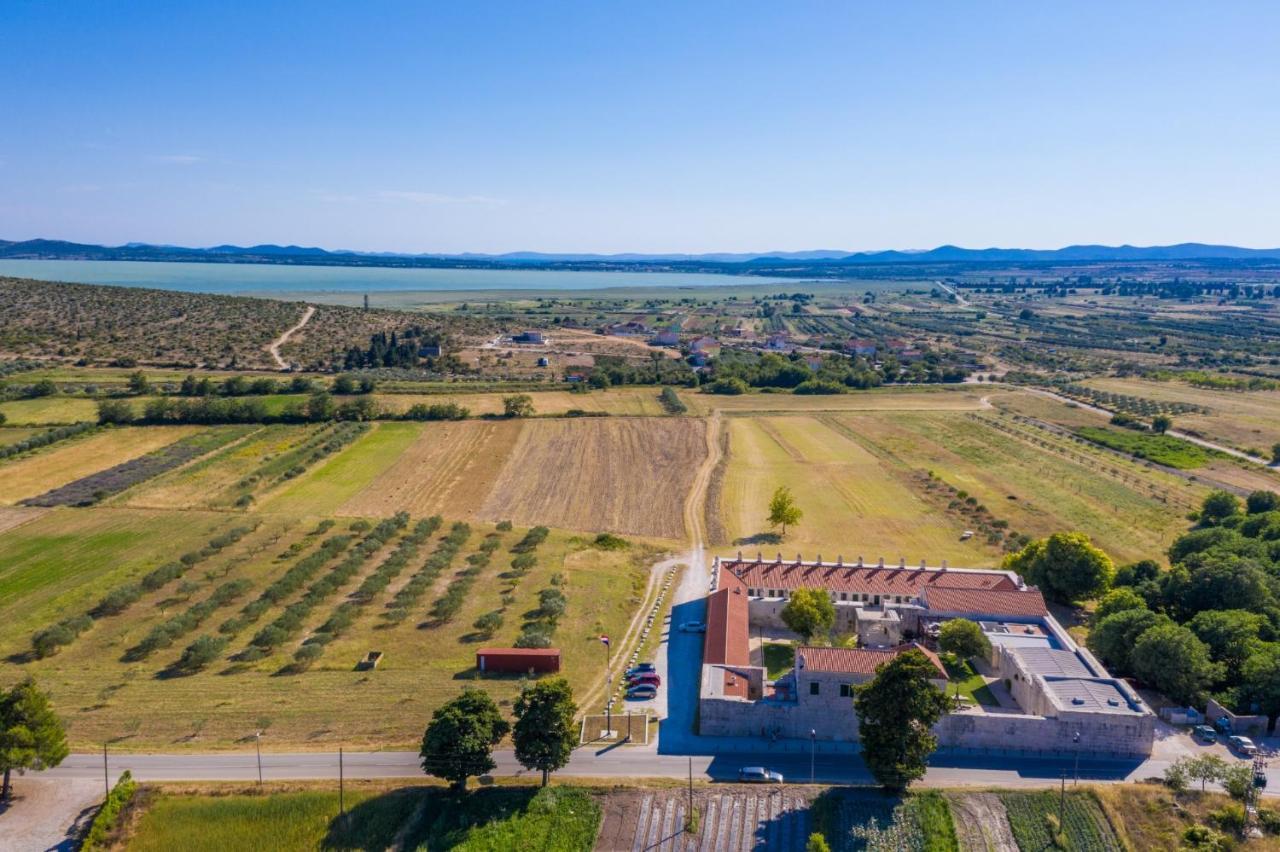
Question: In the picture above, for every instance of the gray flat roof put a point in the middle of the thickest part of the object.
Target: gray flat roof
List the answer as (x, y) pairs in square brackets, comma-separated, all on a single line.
[(1096, 696), (1055, 662)]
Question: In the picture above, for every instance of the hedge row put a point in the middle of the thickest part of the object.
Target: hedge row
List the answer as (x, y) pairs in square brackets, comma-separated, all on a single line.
[(45, 438)]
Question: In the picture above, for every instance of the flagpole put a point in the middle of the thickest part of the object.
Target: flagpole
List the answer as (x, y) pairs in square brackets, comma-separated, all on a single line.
[(608, 681)]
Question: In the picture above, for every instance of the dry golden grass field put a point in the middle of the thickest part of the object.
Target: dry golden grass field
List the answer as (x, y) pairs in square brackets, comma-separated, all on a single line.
[(641, 401), (622, 475), (66, 462), (928, 398), (853, 503)]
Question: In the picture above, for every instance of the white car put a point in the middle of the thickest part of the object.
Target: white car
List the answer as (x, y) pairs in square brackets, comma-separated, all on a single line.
[(693, 627), (759, 775), (1243, 745)]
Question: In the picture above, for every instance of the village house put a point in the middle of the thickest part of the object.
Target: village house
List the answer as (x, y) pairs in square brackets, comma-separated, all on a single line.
[(665, 338), (865, 348)]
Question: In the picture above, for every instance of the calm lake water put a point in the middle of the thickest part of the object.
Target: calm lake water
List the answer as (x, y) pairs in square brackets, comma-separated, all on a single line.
[(269, 278)]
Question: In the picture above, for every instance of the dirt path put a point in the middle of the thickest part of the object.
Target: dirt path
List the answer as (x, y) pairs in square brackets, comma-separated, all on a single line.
[(695, 502), (274, 348), (48, 813)]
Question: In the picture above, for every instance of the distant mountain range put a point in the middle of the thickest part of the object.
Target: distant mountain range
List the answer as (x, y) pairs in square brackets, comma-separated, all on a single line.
[(63, 250)]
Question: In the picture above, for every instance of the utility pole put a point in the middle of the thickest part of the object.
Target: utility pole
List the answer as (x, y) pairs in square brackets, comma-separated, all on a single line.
[(342, 810), (608, 685), (257, 744), (106, 779), (813, 749)]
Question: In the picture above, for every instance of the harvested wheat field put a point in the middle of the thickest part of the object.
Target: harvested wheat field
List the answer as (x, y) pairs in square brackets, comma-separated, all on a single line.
[(450, 469), (61, 464), (626, 476)]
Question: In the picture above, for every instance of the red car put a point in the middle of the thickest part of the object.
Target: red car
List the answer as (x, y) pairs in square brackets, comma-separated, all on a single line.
[(648, 678)]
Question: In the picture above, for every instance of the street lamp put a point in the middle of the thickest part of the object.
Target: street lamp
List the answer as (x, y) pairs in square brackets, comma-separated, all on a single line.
[(813, 748), (257, 744), (1075, 739)]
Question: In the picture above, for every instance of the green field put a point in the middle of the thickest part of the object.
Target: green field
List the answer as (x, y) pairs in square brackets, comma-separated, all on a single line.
[(331, 483), (63, 562), (1161, 449), (563, 819), (48, 410)]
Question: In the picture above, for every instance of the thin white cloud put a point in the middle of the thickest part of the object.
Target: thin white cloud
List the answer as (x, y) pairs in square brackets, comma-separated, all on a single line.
[(436, 197), (178, 159)]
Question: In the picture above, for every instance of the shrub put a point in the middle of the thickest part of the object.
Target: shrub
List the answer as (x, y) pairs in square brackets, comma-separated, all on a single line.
[(104, 822), (200, 653)]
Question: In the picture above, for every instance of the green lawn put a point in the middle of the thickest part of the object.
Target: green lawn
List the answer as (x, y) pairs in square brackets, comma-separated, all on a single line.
[(779, 658), (969, 683)]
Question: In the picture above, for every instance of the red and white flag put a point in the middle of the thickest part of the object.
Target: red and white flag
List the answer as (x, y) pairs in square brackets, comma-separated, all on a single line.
[(604, 640)]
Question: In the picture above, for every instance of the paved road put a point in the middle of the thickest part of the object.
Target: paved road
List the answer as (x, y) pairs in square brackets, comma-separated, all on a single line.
[(792, 759)]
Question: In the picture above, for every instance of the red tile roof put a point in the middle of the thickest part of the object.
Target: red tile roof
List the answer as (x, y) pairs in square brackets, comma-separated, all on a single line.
[(867, 579), (727, 639), (861, 661), (1024, 603)]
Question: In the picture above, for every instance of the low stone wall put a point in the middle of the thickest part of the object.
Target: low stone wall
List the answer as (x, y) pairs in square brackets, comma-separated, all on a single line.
[(1253, 726), (834, 720)]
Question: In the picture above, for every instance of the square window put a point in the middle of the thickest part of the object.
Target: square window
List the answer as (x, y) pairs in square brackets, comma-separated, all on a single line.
[(846, 690), (814, 686)]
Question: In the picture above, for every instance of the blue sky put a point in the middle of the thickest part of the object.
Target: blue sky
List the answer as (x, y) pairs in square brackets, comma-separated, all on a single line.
[(734, 126)]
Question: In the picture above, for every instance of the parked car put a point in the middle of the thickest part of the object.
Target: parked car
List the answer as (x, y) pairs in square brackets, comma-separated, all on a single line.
[(642, 692), (1205, 734), (1243, 746), (693, 627), (640, 668), (651, 678), (759, 775)]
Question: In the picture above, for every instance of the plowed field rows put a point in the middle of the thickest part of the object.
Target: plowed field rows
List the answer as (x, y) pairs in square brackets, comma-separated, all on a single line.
[(624, 476), (450, 469)]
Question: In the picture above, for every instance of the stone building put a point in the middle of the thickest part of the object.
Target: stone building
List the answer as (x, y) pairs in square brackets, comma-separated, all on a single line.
[(1047, 693)]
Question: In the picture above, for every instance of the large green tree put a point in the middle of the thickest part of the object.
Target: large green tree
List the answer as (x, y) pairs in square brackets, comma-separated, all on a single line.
[(810, 613), (31, 734), (460, 739), (1118, 600), (783, 510), (1232, 635), (544, 732), (897, 710), (964, 638), (1260, 678), (1112, 638), (1066, 567), (1170, 658)]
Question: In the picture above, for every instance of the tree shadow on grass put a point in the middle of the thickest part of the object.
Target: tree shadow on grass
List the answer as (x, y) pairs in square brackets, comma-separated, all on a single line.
[(757, 539)]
